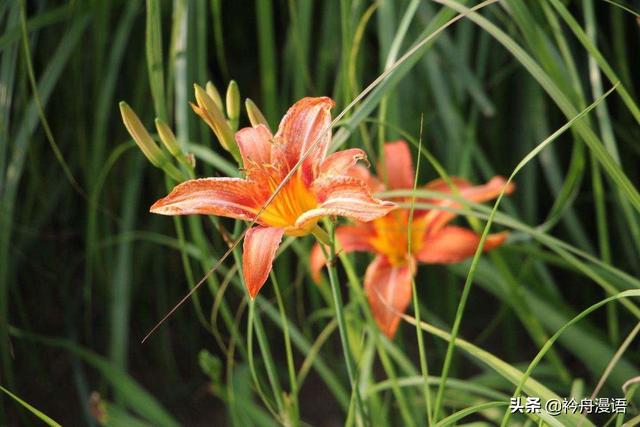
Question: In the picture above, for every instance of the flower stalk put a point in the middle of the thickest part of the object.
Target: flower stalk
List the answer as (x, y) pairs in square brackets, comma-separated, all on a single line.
[(291, 404), (376, 333), (342, 328), (424, 366)]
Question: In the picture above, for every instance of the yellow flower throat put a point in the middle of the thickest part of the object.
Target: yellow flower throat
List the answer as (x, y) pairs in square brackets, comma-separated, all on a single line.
[(392, 236), (292, 200)]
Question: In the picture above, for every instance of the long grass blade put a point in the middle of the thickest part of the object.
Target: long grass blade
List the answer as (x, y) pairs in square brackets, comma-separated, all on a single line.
[(42, 416)]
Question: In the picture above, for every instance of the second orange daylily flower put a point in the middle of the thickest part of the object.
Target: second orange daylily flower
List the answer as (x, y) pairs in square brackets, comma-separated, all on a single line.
[(387, 281), (321, 186)]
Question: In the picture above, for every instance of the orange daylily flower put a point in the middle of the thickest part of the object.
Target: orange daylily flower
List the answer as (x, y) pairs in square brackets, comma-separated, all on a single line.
[(387, 281), (321, 186)]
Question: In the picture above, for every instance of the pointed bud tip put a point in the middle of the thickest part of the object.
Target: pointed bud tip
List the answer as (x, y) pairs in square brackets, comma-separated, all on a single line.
[(255, 115), (212, 91), (199, 91)]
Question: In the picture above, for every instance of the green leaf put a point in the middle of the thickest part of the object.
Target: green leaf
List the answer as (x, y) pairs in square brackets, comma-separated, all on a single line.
[(31, 409)]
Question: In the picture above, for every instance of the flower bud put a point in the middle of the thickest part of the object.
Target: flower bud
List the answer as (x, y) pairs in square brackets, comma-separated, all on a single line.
[(140, 135), (255, 115), (233, 104), (212, 91), (168, 138)]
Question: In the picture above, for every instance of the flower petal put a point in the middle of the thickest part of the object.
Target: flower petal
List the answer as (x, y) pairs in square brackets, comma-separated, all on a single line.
[(259, 250), (454, 244), (305, 121), (230, 197), (363, 174), (388, 289), (349, 238), (398, 165), (344, 196), (340, 162), (442, 186), (478, 194), (255, 145)]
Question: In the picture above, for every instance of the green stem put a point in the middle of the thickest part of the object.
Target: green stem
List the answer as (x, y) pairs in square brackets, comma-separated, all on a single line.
[(379, 340), (342, 327), (272, 373), (252, 367), (290, 365), (321, 235), (254, 323), (424, 367)]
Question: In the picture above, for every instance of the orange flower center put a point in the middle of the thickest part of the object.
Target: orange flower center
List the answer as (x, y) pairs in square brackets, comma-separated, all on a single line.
[(392, 236), (292, 200)]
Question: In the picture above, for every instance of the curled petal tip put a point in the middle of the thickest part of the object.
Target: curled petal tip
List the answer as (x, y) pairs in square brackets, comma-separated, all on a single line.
[(495, 240), (153, 208), (510, 188), (158, 207), (330, 102), (387, 206), (500, 181), (310, 100), (342, 162)]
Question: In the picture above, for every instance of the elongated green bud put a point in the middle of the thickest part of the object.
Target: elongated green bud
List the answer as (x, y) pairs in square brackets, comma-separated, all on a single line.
[(255, 115), (140, 135), (233, 104), (212, 91), (168, 138), (213, 116)]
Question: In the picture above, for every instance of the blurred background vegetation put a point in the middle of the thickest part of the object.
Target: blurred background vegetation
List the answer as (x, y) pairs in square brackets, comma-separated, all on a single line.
[(86, 271)]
